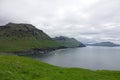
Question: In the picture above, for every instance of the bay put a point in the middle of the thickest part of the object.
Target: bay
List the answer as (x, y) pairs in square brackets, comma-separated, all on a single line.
[(91, 57)]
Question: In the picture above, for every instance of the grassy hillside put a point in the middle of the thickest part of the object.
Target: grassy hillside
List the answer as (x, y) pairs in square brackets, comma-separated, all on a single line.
[(13, 44), (68, 42), (23, 37), (20, 68)]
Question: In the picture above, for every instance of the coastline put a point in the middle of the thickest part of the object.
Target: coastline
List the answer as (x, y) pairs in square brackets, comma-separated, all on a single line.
[(34, 51)]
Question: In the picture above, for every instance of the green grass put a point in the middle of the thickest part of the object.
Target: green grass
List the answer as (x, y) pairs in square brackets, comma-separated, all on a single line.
[(14, 44), (69, 43), (21, 68)]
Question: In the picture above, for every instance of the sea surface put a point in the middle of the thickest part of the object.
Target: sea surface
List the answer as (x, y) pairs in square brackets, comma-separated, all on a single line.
[(91, 57)]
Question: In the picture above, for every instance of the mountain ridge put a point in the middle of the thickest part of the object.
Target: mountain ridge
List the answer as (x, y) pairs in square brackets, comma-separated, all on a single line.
[(24, 37), (21, 30), (107, 44), (68, 42)]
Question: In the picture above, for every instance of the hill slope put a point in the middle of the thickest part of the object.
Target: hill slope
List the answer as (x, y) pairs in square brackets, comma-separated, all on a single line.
[(68, 42), (20, 68), (23, 37)]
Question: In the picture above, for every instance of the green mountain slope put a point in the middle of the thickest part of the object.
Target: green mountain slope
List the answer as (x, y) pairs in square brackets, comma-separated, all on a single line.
[(68, 42), (23, 37), (20, 68)]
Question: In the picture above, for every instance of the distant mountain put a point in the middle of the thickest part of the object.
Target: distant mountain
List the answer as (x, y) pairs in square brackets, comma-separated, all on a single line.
[(108, 44), (23, 37), (68, 42)]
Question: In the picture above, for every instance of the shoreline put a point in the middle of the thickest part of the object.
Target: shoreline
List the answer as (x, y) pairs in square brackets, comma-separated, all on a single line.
[(35, 51)]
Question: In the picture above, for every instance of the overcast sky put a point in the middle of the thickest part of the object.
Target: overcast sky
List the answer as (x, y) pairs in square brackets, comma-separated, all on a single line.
[(86, 20)]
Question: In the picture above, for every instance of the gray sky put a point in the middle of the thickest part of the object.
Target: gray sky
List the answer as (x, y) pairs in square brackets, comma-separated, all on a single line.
[(86, 20)]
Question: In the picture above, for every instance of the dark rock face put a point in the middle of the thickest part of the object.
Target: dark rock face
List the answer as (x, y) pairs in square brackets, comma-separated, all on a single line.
[(61, 38), (22, 30)]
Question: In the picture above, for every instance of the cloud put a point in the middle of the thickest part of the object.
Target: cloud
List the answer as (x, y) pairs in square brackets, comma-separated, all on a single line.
[(93, 20)]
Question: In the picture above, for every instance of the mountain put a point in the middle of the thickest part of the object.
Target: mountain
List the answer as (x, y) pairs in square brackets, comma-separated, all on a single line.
[(108, 44), (22, 30), (68, 42), (24, 37)]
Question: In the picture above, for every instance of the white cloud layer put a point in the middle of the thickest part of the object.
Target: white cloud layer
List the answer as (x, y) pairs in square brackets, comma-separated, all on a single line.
[(86, 20)]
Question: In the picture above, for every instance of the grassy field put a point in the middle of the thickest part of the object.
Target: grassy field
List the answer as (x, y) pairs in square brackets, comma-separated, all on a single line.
[(21, 68), (14, 44)]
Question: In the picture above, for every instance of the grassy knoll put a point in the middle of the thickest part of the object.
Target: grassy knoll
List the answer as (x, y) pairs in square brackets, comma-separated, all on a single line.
[(21, 68)]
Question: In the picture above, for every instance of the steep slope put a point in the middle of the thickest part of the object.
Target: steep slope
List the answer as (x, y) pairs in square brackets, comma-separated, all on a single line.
[(23, 37), (68, 42), (21, 68), (22, 30)]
